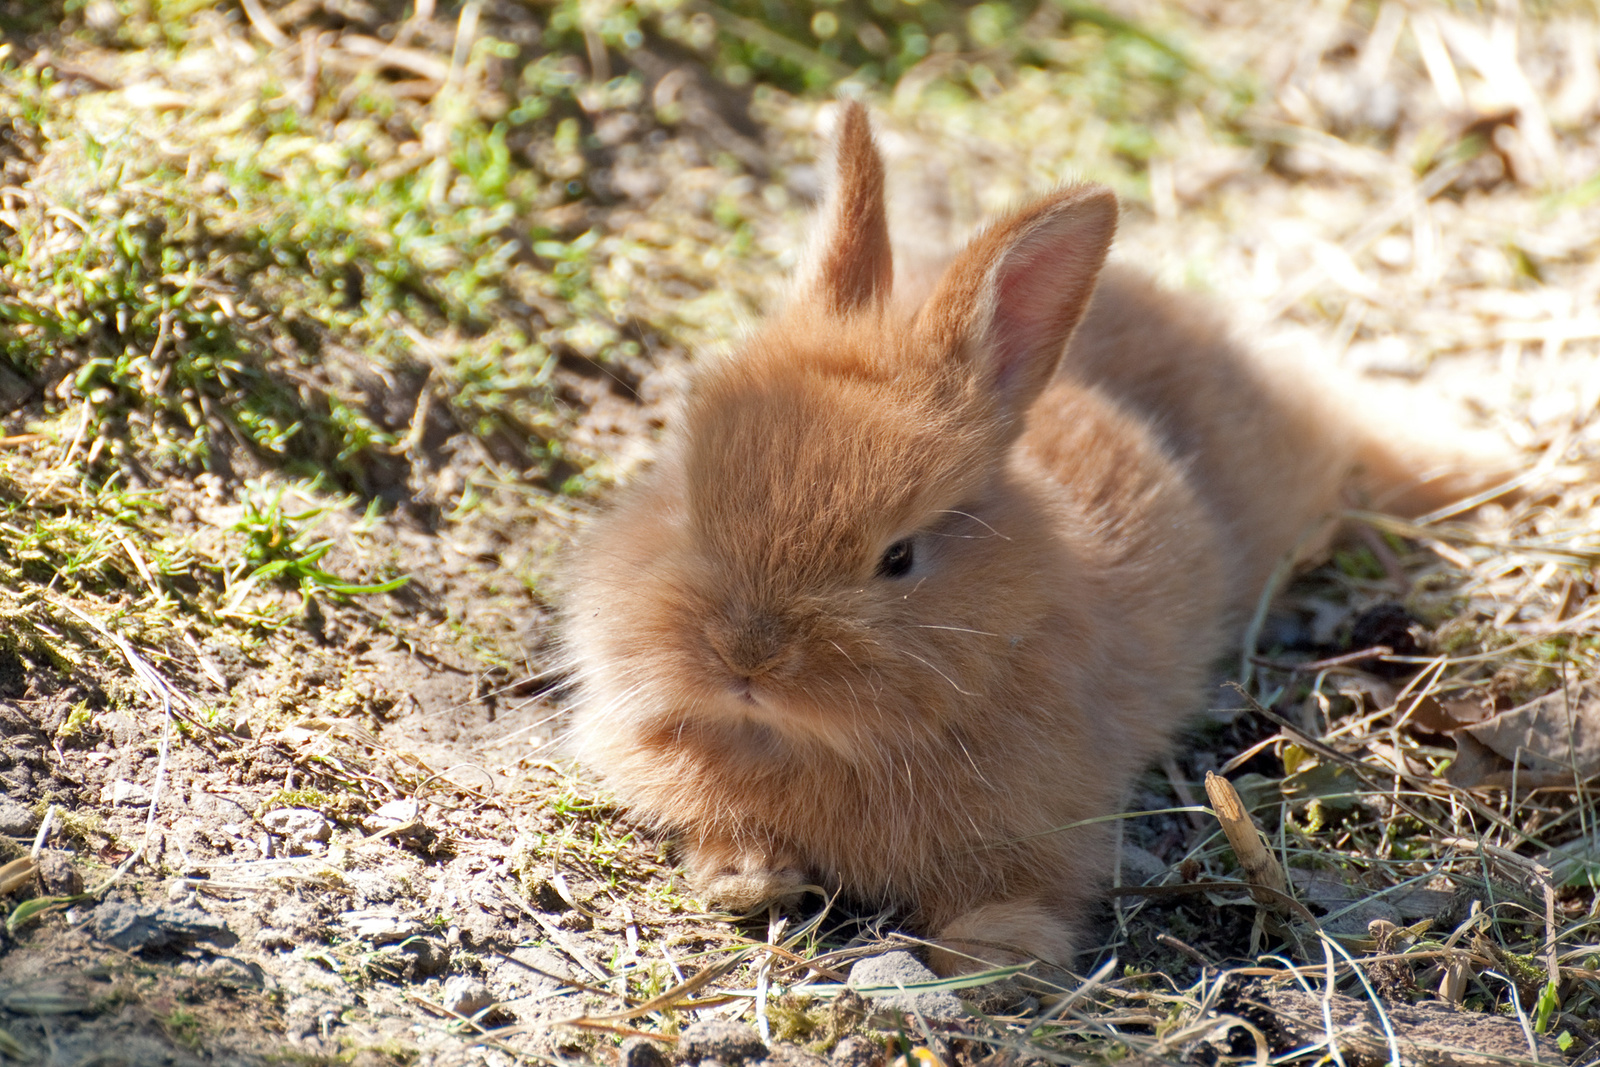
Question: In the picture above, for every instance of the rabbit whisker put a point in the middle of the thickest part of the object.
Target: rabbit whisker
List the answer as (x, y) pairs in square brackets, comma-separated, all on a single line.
[(946, 677), (974, 763), (968, 515)]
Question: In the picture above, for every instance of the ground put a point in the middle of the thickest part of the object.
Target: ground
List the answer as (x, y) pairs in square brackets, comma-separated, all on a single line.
[(324, 324)]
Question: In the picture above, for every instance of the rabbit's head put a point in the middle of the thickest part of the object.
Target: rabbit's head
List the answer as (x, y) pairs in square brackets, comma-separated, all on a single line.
[(830, 549)]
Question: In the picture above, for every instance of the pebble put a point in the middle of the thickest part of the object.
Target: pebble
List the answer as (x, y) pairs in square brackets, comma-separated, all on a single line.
[(725, 1042), (303, 829), (140, 926), (882, 979), (466, 996), (122, 791), (381, 927), (16, 820)]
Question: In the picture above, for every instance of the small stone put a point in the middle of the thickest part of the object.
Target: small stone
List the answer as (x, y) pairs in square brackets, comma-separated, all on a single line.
[(138, 926), (641, 1052), (726, 1042), (57, 874), (16, 820), (1140, 866), (122, 791), (884, 980), (393, 816), (381, 927), (858, 1050), (466, 996), (234, 972), (302, 829), (575, 921)]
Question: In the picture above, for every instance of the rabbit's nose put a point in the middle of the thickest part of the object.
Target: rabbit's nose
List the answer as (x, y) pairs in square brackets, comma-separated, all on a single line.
[(750, 643)]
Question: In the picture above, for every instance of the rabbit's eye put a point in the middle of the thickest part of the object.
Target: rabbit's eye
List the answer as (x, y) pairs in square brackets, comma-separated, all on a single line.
[(896, 559)]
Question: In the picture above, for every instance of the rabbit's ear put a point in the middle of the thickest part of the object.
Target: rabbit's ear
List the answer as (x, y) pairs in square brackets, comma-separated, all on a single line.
[(857, 268), (1009, 302)]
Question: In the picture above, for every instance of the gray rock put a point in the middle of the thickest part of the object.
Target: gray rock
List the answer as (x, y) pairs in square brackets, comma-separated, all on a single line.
[(302, 829), (122, 791), (16, 820), (858, 1050), (641, 1052), (234, 972), (794, 1056), (140, 926), (57, 874), (467, 996), (884, 980), (380, 927), (725, 1042), (1140, 866)]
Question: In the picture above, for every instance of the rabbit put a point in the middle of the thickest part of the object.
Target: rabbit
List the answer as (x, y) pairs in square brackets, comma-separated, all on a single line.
[(919, 583)]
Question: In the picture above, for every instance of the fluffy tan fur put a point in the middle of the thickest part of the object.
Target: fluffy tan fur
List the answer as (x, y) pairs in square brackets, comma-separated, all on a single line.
[(760, 676)]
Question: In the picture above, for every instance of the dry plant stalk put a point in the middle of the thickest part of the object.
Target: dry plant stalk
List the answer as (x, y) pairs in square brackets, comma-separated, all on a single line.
[(1268, 884)]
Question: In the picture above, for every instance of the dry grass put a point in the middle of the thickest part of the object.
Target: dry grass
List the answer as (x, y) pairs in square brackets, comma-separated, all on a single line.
[(1410, 188)]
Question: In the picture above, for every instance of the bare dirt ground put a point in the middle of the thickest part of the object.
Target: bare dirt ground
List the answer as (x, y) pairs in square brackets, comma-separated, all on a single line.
[(340, 830)]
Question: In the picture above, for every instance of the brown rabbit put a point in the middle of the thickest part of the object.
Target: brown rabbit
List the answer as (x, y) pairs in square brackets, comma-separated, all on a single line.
[(908, 590)]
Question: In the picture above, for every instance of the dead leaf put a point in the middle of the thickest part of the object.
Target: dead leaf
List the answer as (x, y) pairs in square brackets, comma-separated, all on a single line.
[(1427, 1033), (1435, 716), (1348, 906), (1549, 743), (15, 875), (1335, 785)]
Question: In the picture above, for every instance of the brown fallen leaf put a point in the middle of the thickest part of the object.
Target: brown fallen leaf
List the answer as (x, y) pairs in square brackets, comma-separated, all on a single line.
[(16, 874), (1348, 905), (1548, 743), (1445, 715), (1429, 1033)]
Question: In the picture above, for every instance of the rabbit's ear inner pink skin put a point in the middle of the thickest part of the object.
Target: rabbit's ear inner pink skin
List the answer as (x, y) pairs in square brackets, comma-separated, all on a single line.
[(1010, 301), (857, 268)]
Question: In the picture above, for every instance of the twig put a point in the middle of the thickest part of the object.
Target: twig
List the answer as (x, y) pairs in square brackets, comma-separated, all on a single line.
[(1261, 868)]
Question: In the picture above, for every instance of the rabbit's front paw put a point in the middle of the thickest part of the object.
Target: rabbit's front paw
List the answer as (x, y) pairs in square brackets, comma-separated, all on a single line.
[(1001, 934), (742, 880)]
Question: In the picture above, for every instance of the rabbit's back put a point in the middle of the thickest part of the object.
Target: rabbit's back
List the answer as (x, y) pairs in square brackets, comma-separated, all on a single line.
[(1256, 440)]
